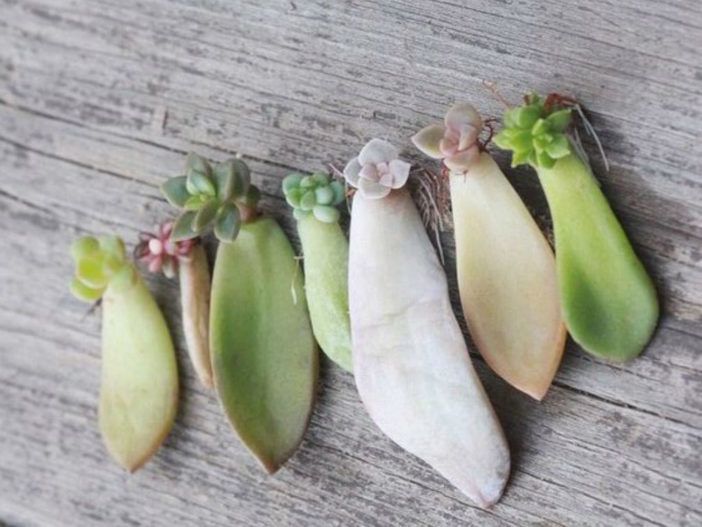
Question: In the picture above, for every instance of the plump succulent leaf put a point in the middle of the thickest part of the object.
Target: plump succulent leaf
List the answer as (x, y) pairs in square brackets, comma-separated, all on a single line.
[(315, 194), (99, 263), (84, 246), (536, 133), (183, 226), (228, 223), (212, 196), (205, 215), (175, 191)]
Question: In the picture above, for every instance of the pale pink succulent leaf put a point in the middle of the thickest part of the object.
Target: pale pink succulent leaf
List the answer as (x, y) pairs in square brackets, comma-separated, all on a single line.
[(427, 140), (400, 172), (461, 114), (377, 151), (352, 172)]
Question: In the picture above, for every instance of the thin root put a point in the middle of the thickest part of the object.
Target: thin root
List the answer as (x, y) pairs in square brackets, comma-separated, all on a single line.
[(492, 88)]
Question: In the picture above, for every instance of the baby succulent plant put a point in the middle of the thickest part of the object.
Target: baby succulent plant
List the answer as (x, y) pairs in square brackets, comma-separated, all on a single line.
[(506, 268), (264, 357), (313, 195), (213, 196), (187, 258), (139, 389), (609, 302), (410, 360), (326, 252)]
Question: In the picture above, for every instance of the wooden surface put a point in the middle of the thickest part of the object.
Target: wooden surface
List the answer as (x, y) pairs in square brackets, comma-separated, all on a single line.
[(99, 102)]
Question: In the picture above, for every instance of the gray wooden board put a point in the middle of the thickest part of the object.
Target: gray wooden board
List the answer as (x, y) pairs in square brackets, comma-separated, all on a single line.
[(99, 102)]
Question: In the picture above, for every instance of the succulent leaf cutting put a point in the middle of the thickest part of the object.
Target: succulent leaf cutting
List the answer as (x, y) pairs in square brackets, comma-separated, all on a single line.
[(326, 254), (263, 354), (506, 268), (314, 194), (213, 196), (608, 300), (160, 253), (410, 360), (139, 388)]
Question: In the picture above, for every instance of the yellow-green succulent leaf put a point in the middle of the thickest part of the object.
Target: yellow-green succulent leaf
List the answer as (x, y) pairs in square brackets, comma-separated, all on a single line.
[(326, 254), (609, 301), (139, 390), (264, 356)]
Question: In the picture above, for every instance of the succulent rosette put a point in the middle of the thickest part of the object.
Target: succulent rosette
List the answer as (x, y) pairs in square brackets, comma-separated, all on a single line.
[(315, 194), (160, 253), (455, 141), (377, 170)]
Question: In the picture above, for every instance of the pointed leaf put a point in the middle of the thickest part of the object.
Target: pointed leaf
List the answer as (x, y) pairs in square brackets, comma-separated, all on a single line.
[(228, 223), (199, 183), (205, 215), (183, 227), (526, 116), (194, 202), (175, 191), (225, 178), (559, 147)]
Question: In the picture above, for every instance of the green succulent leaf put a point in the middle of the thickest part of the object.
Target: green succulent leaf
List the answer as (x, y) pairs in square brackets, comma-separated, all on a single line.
[(339, 192), (559, 147), (225, 178), (308, 200), (292, 181), (84, 292), (183, 227), (83, 247), (228, 223), (194, 202), (175, 191), (205, 215), (326, 214), (98, 263), (200, 183), (560, 120), (307, 182), (293, 197), (324, 195), (299, 214)]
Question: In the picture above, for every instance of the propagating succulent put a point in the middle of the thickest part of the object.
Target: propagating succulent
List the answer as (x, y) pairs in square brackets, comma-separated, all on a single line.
[(264, 357), (187, 258), (326, 252), (609, 302), (139, 389), (410, 361), (506, 269), (215, 196)]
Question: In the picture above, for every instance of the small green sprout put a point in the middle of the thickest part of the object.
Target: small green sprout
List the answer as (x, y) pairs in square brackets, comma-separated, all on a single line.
[(536, 135), (315, 194), (99, 262), (212, 196)]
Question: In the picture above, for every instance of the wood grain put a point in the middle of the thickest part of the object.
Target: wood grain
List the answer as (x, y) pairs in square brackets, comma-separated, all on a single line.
[(100, 101)]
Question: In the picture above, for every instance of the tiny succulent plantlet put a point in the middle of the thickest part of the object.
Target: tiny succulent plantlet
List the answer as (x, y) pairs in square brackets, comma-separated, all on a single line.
[(506, 268), (139, 389), (410, 361), (314, 199), (187, 258), (609, 302), (264, 357), (218, 196)]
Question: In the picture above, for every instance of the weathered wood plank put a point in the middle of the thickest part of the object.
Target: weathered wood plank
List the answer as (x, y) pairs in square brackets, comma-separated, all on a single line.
[(100, 100)]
